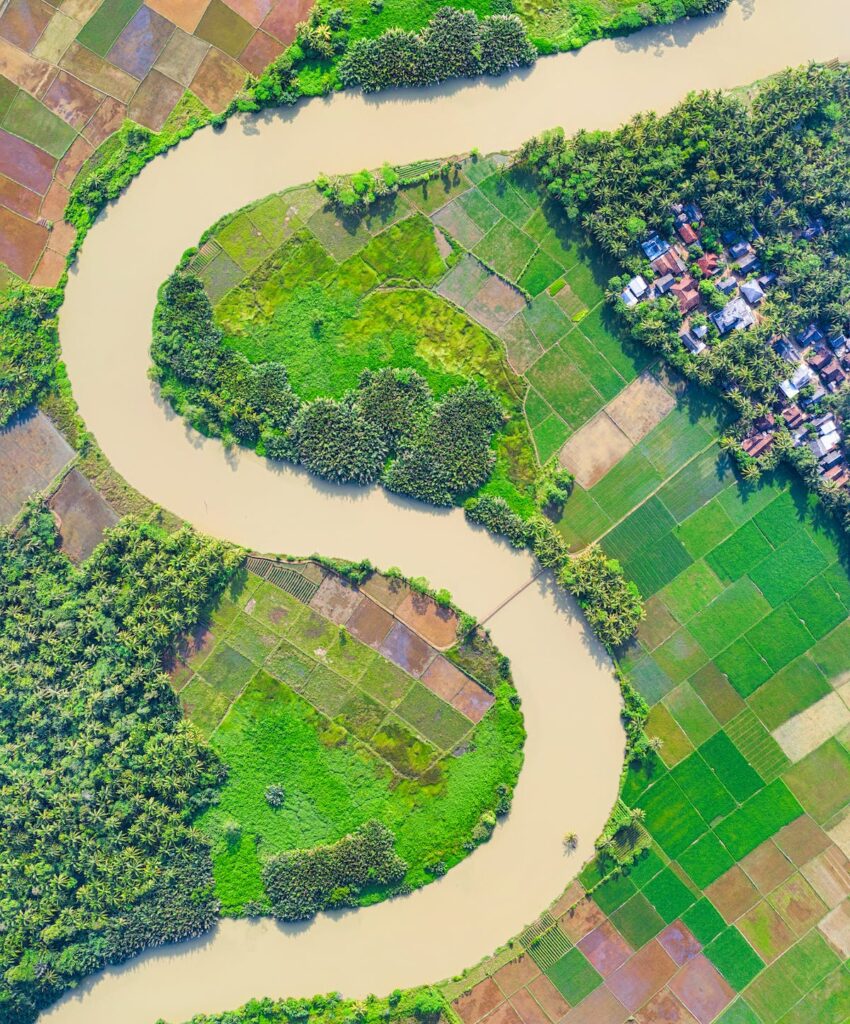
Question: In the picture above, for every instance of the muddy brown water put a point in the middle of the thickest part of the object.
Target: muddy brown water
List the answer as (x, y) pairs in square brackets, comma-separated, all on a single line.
[(570, 700)]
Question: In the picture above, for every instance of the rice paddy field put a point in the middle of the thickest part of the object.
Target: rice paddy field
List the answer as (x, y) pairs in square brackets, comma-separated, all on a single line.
[(288, 697), (737, 908)]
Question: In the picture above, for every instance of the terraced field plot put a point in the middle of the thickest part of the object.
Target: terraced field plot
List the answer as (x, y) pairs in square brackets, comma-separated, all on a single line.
[(289, 697)]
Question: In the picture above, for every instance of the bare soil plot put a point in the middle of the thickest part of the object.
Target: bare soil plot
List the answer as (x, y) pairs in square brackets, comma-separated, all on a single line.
[(26, 164), (282, 21), (369, 622), (495, 303), (72, 100), (640, 407), (32, 453), (388, 592), (829, 875), (516, 974), (521, 345), (407, 650), (835, 928), (478, 1002), (443, 679), (217, 79), (83, 516), (679, 942), (644, 975), (806, 731), (527, 1008), (664, 1007), (600, 1007), (156, 98), (335, 599), (473, 701), (767, 867), (182, 56), (605, 948), (594, 449), (701, 989), (436, 624), (23, 21), (141, 42), (21, 242)]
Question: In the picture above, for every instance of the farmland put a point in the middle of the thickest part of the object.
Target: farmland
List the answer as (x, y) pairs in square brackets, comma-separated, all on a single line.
[(736, 907), (352, 723), (464, 277)]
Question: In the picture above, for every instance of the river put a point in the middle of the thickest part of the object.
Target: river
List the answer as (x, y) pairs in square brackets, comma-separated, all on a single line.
[(570, 699)]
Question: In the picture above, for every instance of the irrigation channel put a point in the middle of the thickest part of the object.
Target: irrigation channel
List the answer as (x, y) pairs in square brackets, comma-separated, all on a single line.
[(570, 699)]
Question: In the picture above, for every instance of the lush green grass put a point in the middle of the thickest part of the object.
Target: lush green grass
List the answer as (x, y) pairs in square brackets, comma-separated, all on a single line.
[(758, 818), (289, 701), (728, 616)]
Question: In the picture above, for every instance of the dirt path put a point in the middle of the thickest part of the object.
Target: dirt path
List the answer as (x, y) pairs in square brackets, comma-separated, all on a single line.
[(570, 700)]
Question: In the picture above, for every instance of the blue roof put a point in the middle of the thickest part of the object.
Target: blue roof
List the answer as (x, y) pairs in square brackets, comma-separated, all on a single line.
[(654, 247)]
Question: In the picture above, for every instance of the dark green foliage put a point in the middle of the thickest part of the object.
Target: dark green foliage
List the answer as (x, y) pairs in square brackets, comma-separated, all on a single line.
[(393, 400), (389, 428), (28, 346), (101, 778), (454, 44), (611, 603), (497, 516), (419, 1004), (300, 883), (333, 440), (450, 453)]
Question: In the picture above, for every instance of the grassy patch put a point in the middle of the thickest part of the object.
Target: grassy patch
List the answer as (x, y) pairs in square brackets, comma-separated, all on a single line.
[(788, 568), (780, 637), (541, 271), (758, 819), (637, 920), (671, 817), (735, 958), (557, 378), (744, 667), (739, 554), (669, 895), (808, 780), (705, 529), (789, 692), (691, 591), (723, 757), (707, 793), (738, 608), (506, 249), (574, 976), (706, 860)]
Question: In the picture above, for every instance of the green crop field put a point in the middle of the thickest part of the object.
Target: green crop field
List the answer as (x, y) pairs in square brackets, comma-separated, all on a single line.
[(288, 699)]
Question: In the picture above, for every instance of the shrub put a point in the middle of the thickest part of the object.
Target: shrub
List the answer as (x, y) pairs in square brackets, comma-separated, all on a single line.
[(497, 516), (394, 401), (300, 883), (504, 44), (454, 44)]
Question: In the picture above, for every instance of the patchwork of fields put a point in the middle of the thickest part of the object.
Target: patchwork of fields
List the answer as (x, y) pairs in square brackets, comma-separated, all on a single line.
[(738, 910), (356, 722), (464, 276)]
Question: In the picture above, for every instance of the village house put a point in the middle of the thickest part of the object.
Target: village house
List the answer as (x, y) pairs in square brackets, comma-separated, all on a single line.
[(687, 234), (735, 315), (687, 294), (752, 292), (709, 264)]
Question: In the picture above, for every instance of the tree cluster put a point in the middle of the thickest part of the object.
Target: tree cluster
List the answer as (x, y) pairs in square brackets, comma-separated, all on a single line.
[(454, 44), (611, 602), (425, 1005), (300, 883), (100, 776), (389, 429), (29, 344)]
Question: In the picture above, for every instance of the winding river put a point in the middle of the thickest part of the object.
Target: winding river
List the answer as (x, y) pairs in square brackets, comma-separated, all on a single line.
[(570, 699)]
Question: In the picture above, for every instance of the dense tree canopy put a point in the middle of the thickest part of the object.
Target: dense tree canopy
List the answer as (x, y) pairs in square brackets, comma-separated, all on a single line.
[(99, 776), (28, 346), (390, 428)]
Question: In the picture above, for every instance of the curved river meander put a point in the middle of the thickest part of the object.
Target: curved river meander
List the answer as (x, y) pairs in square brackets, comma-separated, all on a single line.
[(570, 699)]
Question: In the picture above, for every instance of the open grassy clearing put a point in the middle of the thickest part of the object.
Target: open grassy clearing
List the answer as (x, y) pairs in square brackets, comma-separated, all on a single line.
[(290, 699)]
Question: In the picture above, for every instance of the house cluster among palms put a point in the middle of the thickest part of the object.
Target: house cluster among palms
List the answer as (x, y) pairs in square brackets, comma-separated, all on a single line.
[(719, 292)]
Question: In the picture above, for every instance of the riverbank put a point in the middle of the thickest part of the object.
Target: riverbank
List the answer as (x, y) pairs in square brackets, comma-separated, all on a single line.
[(558, 668)]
